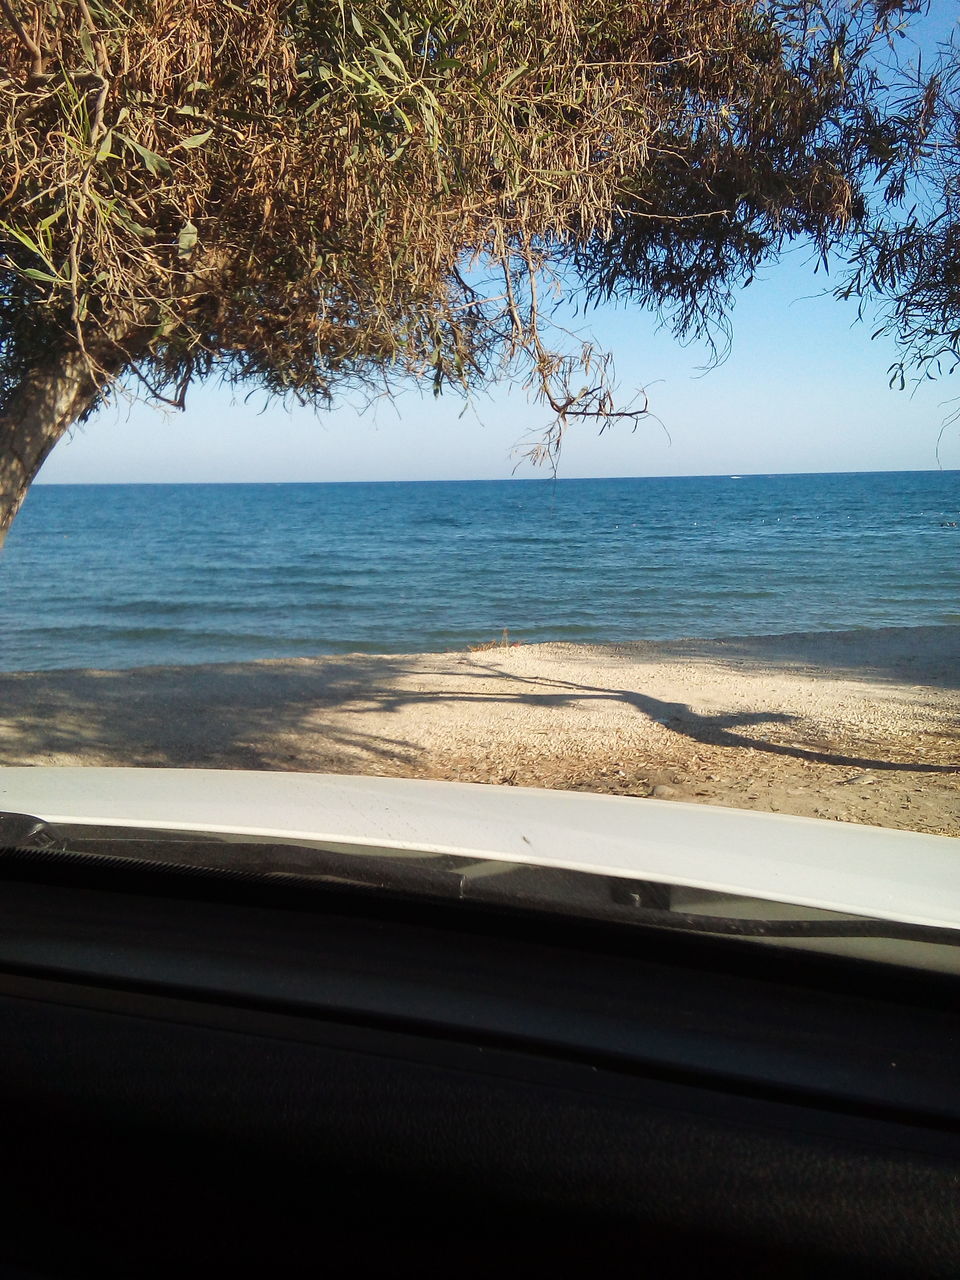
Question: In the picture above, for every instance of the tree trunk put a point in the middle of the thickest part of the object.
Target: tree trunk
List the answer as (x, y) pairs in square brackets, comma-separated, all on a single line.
[(51, 397)]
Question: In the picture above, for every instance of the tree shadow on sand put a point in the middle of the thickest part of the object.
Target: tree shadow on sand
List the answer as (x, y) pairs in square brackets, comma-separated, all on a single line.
[(308, 714), (709, 730), (224, 715)]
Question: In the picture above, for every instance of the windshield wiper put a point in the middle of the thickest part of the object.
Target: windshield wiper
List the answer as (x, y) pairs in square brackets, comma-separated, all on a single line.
[(748, 927)]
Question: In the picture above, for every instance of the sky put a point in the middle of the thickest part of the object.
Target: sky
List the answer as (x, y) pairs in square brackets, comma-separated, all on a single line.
[(803, 389)]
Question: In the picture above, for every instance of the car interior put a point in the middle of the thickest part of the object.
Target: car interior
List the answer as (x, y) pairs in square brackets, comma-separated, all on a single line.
[(215, 1071)]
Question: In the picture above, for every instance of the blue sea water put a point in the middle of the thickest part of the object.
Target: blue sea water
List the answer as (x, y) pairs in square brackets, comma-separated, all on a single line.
[(131, 575)]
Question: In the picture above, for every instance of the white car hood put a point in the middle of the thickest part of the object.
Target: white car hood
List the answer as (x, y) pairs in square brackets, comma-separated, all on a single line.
[(870, 871)]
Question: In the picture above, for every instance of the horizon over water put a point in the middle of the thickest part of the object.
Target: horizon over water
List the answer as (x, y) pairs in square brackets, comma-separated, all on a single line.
[(121, 575)]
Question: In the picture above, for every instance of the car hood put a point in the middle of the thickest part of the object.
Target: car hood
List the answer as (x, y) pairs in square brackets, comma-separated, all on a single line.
[(838, 867)]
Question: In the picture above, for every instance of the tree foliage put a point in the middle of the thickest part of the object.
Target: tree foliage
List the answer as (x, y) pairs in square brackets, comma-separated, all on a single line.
[(305, 194), (906, 259)]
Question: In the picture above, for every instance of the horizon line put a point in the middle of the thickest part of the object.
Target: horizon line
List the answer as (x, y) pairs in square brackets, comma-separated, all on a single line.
[(548, 479)]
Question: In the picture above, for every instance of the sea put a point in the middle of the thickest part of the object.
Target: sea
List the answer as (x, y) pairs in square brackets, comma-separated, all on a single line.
[(113, 576)]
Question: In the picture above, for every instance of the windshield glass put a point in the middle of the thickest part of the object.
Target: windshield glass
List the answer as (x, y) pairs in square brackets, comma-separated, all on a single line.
[(314, 458)]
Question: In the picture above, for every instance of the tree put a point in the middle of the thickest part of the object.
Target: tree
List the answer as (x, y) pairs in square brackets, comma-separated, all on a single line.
[(301, 195)]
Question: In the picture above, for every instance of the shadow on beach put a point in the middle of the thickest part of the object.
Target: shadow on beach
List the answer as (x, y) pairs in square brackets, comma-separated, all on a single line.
[(719, 730), (332, 713), (928, 656), (222, 715)]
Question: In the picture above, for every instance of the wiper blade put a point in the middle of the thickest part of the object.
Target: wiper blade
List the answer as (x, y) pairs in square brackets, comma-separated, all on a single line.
[(748, 927)]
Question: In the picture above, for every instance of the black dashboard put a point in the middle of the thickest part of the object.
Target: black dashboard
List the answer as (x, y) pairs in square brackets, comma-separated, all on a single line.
[(202, 1077)]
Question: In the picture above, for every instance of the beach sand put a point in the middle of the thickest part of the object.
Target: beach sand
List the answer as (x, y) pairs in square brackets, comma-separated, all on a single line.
[(859, 726)]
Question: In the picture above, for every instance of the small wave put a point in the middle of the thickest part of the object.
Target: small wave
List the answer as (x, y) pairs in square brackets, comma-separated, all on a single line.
[(177, 635), (440, 521)]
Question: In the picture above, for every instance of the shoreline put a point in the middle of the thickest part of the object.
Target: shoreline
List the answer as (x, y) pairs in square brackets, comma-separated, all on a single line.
[(858, 725), (823, 647)]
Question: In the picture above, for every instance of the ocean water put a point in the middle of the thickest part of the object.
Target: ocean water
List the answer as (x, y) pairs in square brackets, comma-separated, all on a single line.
[(130, 575)]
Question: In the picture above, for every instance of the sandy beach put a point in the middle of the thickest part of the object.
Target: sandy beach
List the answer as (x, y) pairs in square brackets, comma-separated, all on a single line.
[(858, 726)]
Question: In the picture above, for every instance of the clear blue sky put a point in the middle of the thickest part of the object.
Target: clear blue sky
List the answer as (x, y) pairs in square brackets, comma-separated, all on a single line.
[(804, 389)]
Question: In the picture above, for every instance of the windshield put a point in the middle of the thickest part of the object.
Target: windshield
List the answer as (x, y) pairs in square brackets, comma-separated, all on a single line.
[(724, 574)]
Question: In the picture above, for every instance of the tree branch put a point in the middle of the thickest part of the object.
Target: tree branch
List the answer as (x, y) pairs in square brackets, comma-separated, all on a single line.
[(28, 42)]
